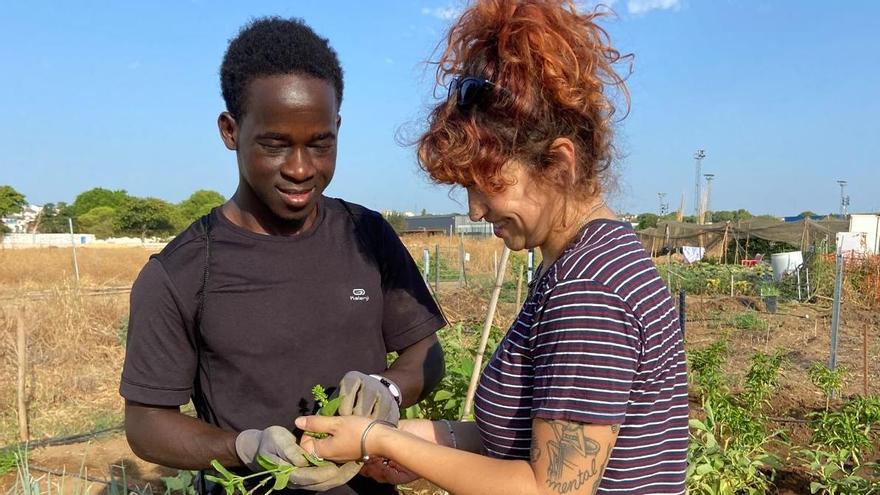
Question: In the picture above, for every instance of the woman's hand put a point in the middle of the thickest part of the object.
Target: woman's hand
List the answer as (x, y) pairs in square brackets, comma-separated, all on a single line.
[(344, 444), (387, 471)]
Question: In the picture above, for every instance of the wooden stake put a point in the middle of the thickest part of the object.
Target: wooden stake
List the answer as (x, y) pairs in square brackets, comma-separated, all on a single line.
[(484, 337), (519, 280), (865, 360), (21, 346), (462, 279)]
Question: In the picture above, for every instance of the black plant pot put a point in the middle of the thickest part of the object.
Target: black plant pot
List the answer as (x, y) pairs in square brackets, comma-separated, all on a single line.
[(770, 303)]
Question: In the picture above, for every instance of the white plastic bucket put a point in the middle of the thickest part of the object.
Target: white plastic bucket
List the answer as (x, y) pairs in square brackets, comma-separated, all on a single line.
[(784, 263)]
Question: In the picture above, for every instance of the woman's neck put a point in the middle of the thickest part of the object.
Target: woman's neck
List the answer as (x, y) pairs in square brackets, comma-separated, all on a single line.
[(570, 224)]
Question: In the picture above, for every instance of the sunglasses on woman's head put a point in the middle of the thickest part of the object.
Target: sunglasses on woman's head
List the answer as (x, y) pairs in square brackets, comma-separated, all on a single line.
[(469, 90)]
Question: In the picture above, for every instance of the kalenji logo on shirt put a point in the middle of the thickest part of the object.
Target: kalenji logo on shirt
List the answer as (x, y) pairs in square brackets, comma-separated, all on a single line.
[(358, 295)]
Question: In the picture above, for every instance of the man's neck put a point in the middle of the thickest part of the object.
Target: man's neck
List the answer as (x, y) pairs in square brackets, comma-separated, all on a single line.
[(251, 214)]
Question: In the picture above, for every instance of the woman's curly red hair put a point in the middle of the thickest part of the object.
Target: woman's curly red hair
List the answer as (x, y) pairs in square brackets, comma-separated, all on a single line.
[(552, 65)]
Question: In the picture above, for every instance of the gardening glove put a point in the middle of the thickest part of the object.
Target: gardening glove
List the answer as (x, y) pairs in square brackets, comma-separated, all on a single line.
[(323, 478), (276, 443), (363, 395)]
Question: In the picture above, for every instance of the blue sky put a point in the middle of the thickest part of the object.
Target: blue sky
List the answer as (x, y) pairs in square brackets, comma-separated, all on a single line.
[(783, 96)]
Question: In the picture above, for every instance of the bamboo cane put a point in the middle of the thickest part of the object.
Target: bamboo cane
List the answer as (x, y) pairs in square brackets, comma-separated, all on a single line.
[(484, 337)]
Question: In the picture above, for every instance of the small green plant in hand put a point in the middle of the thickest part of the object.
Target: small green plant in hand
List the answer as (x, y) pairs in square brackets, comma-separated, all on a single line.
[(328, 407), (278, 474), (232, 482)]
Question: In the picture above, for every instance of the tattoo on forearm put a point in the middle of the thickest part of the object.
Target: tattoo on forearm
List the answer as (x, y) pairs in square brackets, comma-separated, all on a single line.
[(615, 429), (569, 448), (535, 453)]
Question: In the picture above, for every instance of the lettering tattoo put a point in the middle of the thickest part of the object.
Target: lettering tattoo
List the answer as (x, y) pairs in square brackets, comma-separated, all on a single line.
[(568, 450)]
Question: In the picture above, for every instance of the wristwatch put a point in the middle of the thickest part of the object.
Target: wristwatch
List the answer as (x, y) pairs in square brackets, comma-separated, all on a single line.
[(392, 387)]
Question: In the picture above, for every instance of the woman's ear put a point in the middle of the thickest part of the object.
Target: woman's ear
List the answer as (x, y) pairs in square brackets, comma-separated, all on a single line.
[(563, 161)]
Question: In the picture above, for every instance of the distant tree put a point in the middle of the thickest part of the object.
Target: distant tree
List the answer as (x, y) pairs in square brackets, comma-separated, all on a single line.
[(93, 198), (731, 215), (102, 221), (198, 205), (147, 216), (4, 229), (807, 214), (53, 218), (11, 201), (397, 220), (647, 220), (424, 212)]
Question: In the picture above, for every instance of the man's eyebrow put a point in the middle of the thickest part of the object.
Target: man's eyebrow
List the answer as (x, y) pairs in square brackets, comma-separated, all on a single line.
[(273, 135), (323, 135)]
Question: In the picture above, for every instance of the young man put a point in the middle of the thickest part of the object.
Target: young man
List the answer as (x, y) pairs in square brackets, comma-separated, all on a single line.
[(277, 290)]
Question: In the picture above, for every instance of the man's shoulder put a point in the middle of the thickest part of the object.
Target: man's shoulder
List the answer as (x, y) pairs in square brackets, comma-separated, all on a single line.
[(338, 206), (185, 250)]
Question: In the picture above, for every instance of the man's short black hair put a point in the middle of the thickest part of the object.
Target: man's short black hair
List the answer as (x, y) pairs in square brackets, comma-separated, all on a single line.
[(270, 46)]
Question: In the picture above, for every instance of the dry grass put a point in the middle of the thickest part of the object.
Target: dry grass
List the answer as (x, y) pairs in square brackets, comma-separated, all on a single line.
[(74, 358), (48, 267)]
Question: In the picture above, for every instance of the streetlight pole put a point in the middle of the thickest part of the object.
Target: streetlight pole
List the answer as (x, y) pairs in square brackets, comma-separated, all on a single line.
[(698, 157), (708, 207)]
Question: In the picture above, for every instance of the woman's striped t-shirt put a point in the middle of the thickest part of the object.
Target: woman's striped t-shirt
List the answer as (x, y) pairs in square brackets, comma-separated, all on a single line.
[(598, 341)]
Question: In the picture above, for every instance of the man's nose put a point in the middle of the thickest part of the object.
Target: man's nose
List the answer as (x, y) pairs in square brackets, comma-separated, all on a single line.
[(298, 167)]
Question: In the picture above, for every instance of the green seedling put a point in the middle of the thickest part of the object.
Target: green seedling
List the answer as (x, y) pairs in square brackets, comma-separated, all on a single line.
[(328, 407)]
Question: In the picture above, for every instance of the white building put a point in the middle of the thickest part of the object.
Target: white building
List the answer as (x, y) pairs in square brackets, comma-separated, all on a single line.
[(18, 222), (869, 225)]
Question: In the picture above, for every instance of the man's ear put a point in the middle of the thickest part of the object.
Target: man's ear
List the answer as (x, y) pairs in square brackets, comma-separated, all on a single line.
[(338, 122), (228, 130)]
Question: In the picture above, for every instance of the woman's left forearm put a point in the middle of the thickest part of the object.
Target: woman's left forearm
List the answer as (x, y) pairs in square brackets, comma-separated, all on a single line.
[(453, 470)]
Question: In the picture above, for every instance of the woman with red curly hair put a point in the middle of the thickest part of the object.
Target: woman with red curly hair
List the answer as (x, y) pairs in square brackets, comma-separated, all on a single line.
[(587, 392)]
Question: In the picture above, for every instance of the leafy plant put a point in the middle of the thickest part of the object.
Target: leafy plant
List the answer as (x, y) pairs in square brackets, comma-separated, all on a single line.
[(717, 465), (828, 380), (705, 367), (748, 320), (761, 379), (181, 483), (841, 441)]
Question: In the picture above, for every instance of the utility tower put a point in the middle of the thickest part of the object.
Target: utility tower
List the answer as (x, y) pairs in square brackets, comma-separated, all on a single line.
[(698, 198), (664, 206), (844, 198)]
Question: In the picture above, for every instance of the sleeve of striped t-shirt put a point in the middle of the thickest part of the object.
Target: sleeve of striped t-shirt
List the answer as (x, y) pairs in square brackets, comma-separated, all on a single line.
[(585, 352)]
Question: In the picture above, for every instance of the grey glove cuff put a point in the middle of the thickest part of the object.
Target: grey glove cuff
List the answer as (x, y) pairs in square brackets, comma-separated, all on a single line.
[(247, 443)]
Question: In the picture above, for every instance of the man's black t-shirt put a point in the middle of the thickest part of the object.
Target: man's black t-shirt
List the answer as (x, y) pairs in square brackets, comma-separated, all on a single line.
[(281, 314)]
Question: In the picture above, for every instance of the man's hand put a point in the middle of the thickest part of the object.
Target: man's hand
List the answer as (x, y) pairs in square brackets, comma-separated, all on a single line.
[(387, 471), (278, 444), (363, 395)]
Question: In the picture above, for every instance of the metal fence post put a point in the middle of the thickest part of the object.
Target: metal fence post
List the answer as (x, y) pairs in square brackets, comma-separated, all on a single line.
[(426, 261), (835, 310)]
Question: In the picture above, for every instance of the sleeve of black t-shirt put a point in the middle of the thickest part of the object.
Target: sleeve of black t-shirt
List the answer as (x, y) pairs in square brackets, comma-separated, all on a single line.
[(409, 313), (160, 358)]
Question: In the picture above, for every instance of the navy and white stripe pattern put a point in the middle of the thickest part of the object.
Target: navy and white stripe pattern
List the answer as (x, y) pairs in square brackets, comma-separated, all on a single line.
[(597, 341)]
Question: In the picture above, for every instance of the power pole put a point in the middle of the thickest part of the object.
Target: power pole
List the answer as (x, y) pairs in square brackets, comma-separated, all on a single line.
[(707, 209), (698, 158)]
